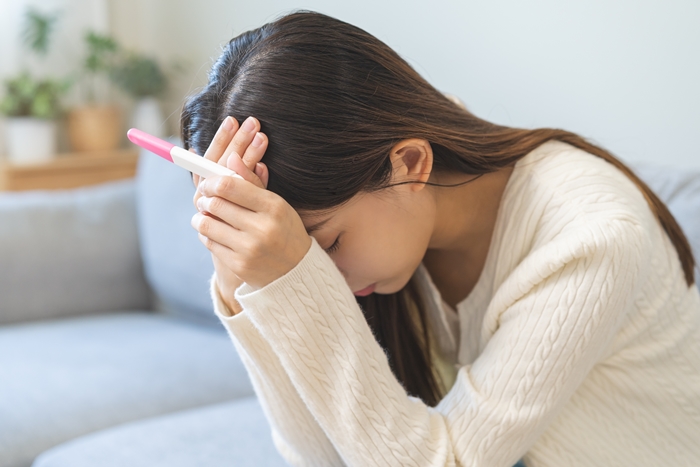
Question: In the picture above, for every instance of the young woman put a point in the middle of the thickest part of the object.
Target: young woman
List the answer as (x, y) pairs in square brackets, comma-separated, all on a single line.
[(408, 284)]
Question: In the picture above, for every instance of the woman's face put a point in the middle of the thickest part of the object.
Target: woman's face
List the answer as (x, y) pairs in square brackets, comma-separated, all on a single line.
[(382, 237)]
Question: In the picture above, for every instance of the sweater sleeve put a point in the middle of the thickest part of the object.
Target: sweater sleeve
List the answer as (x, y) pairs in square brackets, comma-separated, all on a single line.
[(557, 312), (295, 433)]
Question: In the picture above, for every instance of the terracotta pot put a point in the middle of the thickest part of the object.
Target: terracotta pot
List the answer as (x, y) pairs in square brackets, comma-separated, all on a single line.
[(95, 128)]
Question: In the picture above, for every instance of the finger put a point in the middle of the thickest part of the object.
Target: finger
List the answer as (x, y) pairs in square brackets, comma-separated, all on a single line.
[(223, 210), (243, 137), (217, 231), (262, 173), (255, 151), (222, 253), (222, 139), (195, 177), (236, 164), (240, 192)]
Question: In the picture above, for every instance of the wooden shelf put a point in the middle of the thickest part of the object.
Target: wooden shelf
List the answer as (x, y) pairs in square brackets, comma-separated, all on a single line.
[(69, 170)]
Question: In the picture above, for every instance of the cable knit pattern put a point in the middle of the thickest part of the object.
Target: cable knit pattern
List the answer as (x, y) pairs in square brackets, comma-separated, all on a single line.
[(579, 344), (292, 424)]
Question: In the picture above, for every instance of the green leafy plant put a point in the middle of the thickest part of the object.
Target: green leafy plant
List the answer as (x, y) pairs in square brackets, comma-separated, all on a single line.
[(37, 30), (139, 76), (101, 54), (26, 96)]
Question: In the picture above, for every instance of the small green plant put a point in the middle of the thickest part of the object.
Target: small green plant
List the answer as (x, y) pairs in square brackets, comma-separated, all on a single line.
[(101, 54), (139, 76), (26, 96), (37, 30)]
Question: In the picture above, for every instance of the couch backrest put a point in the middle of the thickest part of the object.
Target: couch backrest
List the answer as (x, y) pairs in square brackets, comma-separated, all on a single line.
[(680, 190), (70, 252), (177, 265)]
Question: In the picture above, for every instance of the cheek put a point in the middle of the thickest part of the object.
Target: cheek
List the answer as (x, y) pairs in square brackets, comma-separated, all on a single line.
[(384, 241), (381, 253)]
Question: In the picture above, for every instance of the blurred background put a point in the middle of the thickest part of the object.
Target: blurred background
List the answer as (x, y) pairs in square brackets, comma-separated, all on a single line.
[(624, 74)]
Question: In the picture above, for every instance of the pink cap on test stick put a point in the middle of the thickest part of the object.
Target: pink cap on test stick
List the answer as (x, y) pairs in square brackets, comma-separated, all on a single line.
[(153, 144)]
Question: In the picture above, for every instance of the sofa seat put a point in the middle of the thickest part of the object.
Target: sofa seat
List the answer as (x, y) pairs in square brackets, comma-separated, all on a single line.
[(63, 378), (233, 433)]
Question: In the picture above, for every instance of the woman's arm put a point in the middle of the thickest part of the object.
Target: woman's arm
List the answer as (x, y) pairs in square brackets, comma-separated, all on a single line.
[(296, 434), (559, 310)]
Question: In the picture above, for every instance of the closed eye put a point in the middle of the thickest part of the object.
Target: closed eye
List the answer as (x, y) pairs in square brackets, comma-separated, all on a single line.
[(333, 248)]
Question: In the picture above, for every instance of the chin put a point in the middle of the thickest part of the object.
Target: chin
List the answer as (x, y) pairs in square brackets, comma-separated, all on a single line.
[(391, 287)]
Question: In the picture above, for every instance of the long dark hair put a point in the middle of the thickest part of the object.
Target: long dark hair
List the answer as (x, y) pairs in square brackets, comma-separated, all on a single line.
[(333, 100)]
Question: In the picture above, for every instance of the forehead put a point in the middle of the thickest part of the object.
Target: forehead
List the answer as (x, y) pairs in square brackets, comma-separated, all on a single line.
[(316, 220), (313, 226)]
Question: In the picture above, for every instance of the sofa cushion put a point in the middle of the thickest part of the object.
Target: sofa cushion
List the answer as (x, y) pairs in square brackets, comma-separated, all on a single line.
[(234, 433), (70, 252), (680, 190), (69, 377), (178, 267)]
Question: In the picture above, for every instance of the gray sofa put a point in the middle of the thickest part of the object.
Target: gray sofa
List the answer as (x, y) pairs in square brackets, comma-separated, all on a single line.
[(110, 354)]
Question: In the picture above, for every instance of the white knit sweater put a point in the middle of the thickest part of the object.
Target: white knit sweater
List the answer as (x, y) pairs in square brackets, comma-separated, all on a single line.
[(578, 346)]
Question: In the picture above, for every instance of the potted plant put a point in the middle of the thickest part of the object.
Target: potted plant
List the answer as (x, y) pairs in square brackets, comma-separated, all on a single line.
[(96, 126), (32, 104), (143, 79)]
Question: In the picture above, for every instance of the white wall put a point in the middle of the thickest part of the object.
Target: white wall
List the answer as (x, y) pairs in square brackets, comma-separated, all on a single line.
[(623, 73)]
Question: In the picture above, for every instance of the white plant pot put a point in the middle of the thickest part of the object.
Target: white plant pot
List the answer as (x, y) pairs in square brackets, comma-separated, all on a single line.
[(148, 117), (30, 140)]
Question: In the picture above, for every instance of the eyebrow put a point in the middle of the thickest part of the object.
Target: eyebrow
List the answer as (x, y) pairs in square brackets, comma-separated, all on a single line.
[(316, 226)]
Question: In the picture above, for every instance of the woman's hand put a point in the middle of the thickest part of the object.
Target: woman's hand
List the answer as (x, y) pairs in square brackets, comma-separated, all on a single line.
[(228, 139), (252, 233)]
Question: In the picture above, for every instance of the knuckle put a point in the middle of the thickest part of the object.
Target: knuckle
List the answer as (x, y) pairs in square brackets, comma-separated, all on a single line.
[(220, 137), (223, 185), (254, 248), (205, 227), (277, 207), (216, 204), (269, 226), (239, 140), (208, 242)]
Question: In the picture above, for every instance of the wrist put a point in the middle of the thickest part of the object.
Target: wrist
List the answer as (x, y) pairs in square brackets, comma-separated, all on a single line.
[(227, 298), (233, 306)]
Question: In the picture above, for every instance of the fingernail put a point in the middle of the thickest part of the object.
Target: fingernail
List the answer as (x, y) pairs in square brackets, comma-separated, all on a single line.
[(257, 141), (248, 125), (228, 124)]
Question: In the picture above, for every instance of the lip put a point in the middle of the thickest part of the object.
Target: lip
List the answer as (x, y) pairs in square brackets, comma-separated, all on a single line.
[(366, 291)]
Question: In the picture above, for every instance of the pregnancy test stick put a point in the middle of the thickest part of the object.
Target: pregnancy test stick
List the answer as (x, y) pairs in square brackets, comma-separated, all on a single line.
[(179, 156)]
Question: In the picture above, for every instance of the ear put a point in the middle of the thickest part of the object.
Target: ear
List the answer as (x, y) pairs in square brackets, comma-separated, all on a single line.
[(412, 160)]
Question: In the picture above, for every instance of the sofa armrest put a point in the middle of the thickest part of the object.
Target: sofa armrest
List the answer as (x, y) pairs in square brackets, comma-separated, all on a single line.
[(70, 252)]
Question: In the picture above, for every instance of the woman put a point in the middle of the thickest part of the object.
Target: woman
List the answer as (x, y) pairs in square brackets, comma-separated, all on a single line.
[(486, 293)]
